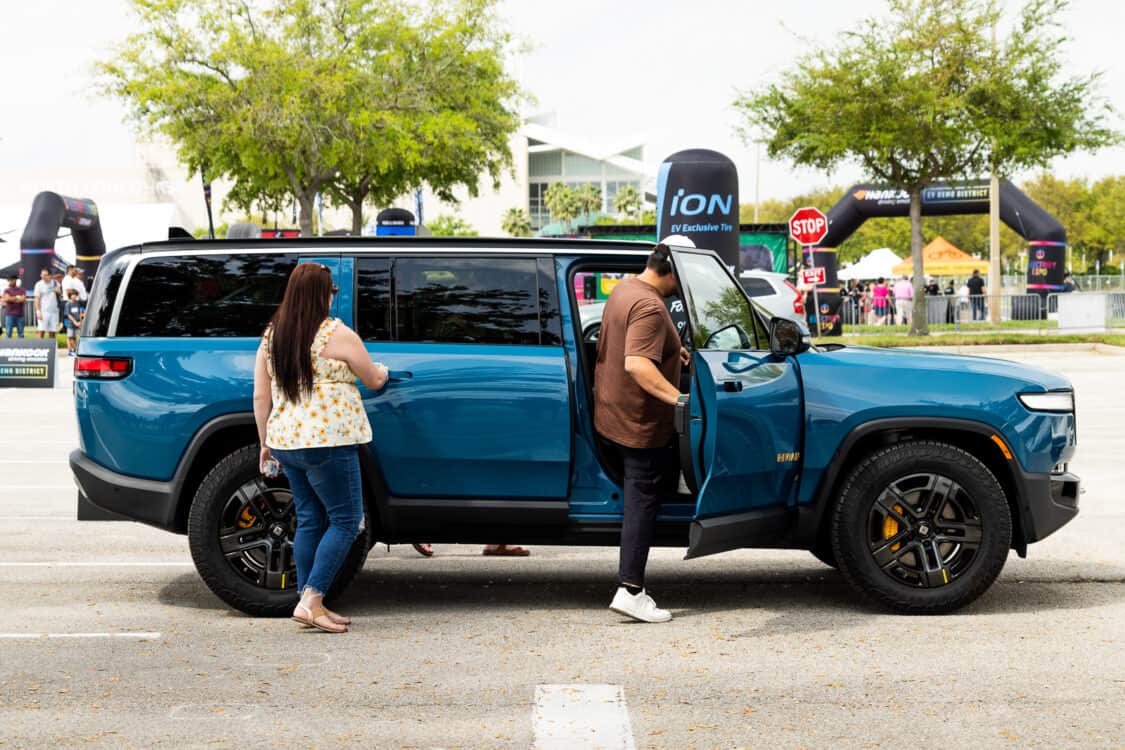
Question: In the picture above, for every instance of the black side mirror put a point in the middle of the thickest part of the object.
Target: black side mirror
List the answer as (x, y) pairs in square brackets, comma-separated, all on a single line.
[(787, 338)]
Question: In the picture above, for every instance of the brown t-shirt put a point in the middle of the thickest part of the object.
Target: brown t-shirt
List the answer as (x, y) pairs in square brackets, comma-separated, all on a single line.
[(635, 323)]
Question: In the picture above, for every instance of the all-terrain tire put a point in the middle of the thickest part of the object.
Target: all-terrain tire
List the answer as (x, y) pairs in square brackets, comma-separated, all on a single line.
[(205, 519), (861, 513)]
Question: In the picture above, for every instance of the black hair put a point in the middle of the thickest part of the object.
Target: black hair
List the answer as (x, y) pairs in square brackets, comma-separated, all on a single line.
[(13, 277), (660, 260)]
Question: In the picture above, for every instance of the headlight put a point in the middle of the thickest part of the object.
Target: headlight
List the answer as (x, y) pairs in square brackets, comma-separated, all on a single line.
[(1061, 401)]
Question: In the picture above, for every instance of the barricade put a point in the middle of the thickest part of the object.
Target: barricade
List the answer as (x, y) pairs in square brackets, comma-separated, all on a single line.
[(1018, 312), (1115, 310)]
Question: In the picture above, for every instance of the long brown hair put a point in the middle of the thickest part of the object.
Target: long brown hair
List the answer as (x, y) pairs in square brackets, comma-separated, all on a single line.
[(294, 326)]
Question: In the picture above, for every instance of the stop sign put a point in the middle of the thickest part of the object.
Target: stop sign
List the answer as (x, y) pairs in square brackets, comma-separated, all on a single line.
[(808, 225)]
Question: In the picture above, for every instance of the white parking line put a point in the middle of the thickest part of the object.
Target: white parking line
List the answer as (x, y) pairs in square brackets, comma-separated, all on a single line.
[(581, 717), (94, 564), (13, 487), (39, 636), (37, 518)]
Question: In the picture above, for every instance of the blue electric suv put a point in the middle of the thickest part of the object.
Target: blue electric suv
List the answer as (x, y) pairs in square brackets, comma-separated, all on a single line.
[(912, 473)]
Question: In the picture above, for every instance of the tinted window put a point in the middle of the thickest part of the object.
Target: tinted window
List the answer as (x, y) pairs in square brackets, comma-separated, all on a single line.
[(103, 293), (720, 313), (549, 316), (373, 299), (756, 287), (212, 295), (467, 300)]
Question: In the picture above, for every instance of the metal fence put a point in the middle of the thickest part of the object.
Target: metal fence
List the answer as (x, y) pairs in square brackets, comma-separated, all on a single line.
[(1115, 310), (949, 312)]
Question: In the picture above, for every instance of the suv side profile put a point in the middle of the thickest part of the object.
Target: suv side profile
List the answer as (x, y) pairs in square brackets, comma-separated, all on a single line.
[(913, 473)]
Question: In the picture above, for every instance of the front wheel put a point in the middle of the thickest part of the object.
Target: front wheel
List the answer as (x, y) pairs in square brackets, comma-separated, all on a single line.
[(240, 531), (921, 527)]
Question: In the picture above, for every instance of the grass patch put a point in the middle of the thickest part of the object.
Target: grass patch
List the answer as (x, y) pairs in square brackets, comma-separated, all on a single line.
[(977, 339), (1022, 325)]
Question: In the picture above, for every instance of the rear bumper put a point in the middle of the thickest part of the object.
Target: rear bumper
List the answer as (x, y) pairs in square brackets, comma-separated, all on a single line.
[(130, 498), (1050, 501)]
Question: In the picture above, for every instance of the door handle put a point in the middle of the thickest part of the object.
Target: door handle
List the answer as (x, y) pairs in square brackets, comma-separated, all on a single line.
[(732, 386), (397, 376)]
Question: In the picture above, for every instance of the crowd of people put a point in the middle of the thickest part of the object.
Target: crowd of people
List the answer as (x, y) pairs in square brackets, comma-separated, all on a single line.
[(891, 302), (59, 302)]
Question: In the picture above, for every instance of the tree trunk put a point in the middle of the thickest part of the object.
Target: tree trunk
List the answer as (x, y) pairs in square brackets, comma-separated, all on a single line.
[(356, 205), (919, 325), (307, 203)]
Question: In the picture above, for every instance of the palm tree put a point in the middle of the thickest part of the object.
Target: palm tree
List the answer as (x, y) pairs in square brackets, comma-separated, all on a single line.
[(627, 201), (562, 202), (516, 223), (590, 200)]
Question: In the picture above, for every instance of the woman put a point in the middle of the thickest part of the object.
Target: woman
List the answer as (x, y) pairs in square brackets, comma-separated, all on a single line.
[(879, 304), (311, 421)]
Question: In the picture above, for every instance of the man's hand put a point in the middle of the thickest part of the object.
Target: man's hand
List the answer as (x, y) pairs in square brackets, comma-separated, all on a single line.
[(685, 357)]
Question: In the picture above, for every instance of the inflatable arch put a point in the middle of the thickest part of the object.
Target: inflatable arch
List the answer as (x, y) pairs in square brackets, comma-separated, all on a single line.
[(49, 212)]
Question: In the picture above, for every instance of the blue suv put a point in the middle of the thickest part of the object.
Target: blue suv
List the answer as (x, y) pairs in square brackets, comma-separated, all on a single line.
[(912, 473)]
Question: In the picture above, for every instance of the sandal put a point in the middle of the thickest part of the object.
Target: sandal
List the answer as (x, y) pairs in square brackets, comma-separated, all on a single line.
[(314, 614), (425, 550), (503, 550)]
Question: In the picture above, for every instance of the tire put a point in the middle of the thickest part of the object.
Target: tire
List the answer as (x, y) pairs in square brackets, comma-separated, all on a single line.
[(256, 574), (921, 527), (824, 553)]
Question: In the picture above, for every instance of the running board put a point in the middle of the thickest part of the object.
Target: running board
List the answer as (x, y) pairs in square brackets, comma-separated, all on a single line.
[(708, 536)]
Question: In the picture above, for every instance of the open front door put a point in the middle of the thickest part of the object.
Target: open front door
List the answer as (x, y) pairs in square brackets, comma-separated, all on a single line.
[(742, 426)]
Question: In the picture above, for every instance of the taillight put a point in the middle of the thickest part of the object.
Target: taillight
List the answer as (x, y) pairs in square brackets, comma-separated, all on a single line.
[(798, 299), (102, 368)]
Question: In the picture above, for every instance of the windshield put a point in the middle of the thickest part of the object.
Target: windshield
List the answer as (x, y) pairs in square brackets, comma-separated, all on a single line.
[(721, 315)]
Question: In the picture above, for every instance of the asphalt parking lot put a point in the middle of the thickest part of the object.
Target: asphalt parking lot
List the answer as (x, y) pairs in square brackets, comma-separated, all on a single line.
[(109, 639)]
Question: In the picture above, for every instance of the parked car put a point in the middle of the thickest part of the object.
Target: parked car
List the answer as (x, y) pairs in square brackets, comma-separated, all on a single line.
[(774, 292), (914, 473)]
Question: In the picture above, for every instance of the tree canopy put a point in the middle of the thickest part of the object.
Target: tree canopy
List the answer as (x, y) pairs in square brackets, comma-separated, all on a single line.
[(353, 98), (925, 94)]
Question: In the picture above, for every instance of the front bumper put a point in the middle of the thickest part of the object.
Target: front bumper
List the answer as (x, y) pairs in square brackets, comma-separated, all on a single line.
[(121, 497), (1049, 502)]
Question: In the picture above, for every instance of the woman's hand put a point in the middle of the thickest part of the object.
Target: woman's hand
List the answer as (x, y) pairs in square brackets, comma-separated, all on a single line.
[(263, 456), (381, 375)]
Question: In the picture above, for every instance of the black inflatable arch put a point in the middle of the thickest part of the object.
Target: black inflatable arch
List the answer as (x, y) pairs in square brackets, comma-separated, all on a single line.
[(49, 212)]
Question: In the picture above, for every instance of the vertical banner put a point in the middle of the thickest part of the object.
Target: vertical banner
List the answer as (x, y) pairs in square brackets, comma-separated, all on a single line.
[(827, 294), (697, 196), (1046, 264)]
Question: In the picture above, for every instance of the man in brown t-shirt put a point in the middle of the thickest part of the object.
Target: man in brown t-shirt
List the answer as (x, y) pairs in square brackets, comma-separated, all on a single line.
[(635, 393)]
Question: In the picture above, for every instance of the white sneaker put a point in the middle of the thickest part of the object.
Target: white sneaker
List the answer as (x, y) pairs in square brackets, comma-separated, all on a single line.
[(640, 607)]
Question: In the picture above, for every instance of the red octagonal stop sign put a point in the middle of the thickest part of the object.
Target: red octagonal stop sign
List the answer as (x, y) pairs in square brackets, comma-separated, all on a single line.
[(808, 225)]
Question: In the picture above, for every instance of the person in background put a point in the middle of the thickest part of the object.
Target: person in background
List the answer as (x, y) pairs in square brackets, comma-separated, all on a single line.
[(311, 421), (879, 295), (951, 305), (1068, 283), (932, 289), (904, 299), (977, 290), (14, 298), (73, 312), (71, 281), (46, 304)]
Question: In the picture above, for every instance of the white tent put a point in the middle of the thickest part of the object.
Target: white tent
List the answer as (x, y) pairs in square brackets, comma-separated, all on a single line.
[(871, 266)]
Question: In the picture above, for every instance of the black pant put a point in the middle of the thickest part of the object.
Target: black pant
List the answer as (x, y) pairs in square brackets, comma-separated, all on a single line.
[(650, 475)]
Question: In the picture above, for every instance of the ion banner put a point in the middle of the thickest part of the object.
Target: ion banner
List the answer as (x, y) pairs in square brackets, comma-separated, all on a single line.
[(697, 196)]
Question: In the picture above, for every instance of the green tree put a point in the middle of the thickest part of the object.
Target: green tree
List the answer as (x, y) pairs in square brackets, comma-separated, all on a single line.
[(516, 223), (354, 98), (589, 198), (925, 95), (627, 202), (450, 226), (562, 201)]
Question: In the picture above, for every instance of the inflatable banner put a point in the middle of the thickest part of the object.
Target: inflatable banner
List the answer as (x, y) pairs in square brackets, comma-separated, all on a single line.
[(697, 196), (49, 211), (1046, 264)]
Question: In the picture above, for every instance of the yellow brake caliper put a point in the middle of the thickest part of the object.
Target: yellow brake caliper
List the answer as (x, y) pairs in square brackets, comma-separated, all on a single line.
[(890, 528), (246, 518)]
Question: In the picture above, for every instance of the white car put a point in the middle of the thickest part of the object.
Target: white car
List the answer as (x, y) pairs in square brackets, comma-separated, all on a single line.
[(774, 292)]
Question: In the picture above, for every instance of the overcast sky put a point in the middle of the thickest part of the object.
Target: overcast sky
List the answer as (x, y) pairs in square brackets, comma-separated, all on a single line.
[(667, 71)]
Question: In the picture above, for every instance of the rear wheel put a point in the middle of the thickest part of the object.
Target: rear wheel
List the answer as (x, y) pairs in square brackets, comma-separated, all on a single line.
[(240, 531), (921, 528)]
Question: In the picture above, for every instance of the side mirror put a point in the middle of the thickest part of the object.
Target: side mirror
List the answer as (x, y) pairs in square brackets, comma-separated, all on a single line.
[(787, 338)]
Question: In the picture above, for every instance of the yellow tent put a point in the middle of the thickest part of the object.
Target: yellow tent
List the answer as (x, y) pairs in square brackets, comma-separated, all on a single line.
[(942, 258)]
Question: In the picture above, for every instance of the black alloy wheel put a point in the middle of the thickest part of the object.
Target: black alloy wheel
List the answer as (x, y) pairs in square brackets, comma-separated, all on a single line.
[(921, 527), (256, 528)]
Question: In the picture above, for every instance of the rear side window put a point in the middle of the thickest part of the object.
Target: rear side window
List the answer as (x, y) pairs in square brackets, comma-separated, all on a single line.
[(210, 295), (373, 299), (756, 287), (467, 300), (103, 293)]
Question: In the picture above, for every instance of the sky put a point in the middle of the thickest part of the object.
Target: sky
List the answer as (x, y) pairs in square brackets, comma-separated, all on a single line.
[(664, 71)]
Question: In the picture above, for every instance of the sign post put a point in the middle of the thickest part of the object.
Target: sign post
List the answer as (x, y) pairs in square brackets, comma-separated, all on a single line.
[(808, 226)]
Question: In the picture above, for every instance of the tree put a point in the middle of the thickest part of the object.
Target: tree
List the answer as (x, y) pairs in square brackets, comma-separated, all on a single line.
[(562, 202), (589, 198), (924, 95), (451, 226), (342, 96), (627, 202), (516, 223)]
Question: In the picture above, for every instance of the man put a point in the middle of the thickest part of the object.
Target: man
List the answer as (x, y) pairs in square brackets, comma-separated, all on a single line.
[(1068, 283), (904, 299), (13, 298), (46, 304), (73, 282), (635, 393), (977, 291)]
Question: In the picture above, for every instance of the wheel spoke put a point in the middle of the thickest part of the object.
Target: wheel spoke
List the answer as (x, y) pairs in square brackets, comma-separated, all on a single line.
[(888, 506), (965, 532), (937, 493), (933, 571), (884, 554), (233, 544)]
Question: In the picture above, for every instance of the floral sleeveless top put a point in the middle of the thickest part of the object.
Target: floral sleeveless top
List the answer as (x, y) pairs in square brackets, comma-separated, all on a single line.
[(333, 415)]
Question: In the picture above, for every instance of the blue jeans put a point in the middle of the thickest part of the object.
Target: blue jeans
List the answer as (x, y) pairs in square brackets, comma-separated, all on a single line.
[(328, 497), (13, 321)]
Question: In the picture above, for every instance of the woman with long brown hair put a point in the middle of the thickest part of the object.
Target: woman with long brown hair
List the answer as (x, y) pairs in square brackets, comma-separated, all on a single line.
[(311, 421)]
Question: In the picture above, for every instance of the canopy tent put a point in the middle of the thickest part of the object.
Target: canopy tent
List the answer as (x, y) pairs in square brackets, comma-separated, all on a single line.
[(876, 263), (943, 258)]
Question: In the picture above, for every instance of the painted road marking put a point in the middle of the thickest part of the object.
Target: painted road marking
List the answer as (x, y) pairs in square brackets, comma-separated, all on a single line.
[(95, 564), (581, 717), (38, 518), (39, 636)]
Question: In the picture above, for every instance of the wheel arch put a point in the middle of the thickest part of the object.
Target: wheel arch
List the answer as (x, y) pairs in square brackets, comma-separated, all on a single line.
[(976, 438)]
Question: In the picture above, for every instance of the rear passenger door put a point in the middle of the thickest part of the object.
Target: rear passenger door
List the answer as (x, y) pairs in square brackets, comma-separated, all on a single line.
[(478, 404)]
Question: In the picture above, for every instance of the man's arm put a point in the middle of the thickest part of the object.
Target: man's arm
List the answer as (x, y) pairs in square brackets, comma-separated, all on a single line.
[(649, 377)]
